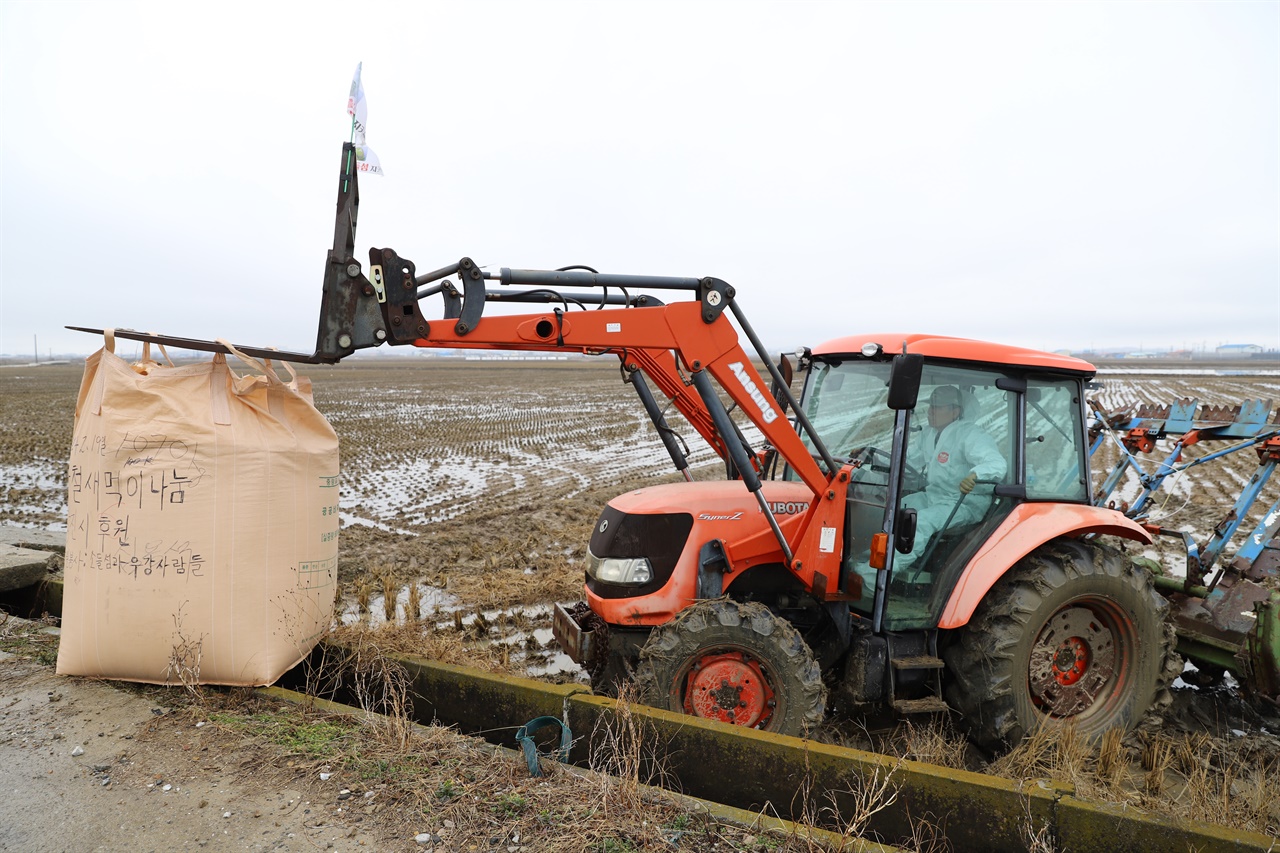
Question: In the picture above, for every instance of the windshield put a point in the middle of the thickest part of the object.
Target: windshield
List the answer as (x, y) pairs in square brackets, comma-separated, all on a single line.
[(847, 404)]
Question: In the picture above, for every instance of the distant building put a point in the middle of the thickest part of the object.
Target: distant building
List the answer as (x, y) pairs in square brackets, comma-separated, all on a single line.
[(1238, 350)]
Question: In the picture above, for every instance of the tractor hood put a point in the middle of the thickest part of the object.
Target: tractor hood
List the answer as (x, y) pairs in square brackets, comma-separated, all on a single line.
[(717, 500)]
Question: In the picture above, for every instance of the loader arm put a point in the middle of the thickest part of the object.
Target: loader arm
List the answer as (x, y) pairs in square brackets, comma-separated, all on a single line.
[(383, 304), (656, 340)]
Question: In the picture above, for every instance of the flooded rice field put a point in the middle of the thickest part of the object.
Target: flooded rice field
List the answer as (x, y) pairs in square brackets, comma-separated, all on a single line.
[(469, 488), (451, 466)]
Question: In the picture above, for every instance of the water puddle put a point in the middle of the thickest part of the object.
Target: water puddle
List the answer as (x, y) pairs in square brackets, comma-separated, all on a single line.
[(522, 634)]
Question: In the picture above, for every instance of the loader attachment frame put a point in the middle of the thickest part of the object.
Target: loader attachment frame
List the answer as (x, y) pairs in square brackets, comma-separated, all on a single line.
[(680, 347)]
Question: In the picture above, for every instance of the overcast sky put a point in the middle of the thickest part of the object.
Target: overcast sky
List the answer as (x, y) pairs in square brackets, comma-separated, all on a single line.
[(1054, 175)]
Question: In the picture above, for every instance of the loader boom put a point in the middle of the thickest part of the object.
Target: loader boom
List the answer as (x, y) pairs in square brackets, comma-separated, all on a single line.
[(680, 346)]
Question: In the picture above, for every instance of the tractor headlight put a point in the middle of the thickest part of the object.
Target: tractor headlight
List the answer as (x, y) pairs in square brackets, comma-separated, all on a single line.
[(632, 571)]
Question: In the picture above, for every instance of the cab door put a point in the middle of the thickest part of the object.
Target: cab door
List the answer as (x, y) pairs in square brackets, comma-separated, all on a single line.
[(961, 472)]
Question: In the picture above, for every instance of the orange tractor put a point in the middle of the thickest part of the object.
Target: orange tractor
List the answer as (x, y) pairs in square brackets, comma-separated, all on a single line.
[(915, 530)]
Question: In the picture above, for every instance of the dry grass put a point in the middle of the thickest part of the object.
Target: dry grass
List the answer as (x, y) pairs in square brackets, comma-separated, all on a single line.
[(1157, 758), (936, 741), (1191, 776), (551, 579), (1054, 752), (390, 589), (422, 639), (1111, 754), (26, 638), (185, 657), (364, 594), (1038, 838), (627, 753), (475, 795), (466, 793), (1214, 781), (852, 809), (413, 606)]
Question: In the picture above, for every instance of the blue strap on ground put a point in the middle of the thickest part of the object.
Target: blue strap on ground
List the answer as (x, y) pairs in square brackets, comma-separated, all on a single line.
[(524, 736)]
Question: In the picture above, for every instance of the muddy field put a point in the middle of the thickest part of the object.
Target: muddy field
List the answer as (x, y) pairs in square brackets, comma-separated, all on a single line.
[(482, 479), (470, 489), (472, 486)]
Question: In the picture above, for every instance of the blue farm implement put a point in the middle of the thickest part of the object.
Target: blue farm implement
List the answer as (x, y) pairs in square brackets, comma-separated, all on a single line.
[(1227, 614)]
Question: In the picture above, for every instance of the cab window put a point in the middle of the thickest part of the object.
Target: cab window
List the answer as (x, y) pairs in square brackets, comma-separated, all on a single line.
[(1055, 441)]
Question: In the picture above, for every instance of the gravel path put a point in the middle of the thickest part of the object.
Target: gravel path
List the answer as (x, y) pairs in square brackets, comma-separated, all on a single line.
[(86, 766)]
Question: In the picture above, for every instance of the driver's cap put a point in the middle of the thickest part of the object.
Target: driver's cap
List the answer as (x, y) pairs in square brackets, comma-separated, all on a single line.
[(945, 395)]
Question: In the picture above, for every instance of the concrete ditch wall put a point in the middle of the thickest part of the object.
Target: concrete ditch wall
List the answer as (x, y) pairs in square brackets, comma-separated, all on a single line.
[(27, 561), (25, 556), (758, 771)]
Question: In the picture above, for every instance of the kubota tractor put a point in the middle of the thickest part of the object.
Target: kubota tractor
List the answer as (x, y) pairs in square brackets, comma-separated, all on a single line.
[(1012, 611), (916, 530)]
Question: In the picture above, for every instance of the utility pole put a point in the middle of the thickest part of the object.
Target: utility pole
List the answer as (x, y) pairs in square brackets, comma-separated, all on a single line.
[(35, 342)]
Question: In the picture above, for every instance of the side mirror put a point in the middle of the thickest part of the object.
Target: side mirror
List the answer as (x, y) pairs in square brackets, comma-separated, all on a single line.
[(904, 380), (904, 537), (1017, 385), (784, 368)]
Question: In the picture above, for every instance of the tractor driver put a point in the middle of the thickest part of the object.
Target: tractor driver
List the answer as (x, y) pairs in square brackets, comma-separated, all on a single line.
[(953, 454)]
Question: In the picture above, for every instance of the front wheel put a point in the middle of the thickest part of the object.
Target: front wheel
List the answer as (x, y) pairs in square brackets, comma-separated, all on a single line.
[(1075, 632), (736, 663)]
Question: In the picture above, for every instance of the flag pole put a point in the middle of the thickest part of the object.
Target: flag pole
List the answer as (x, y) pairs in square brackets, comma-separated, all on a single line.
[(346, 175), (351, 152)]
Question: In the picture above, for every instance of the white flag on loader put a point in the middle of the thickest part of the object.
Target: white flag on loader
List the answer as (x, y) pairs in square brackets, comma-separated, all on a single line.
[(366, 160)]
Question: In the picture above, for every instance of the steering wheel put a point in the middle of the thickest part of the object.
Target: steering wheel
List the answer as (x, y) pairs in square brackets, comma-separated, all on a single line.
[(868, 455)]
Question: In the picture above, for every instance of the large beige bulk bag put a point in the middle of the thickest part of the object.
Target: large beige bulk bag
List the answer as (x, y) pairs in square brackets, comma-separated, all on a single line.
[(202, 527)]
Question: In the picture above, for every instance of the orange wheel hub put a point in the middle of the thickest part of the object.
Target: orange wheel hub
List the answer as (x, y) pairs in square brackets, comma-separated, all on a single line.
[(730, 687), (1070, 661), (1078, 660)]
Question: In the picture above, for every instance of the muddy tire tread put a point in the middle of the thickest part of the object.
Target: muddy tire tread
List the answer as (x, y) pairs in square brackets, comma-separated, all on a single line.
[(706, 624), (983, 675)]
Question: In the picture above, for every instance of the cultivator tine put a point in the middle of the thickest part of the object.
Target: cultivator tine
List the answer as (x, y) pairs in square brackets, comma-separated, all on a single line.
[(1246, 420), (1220, 414), (1149, 412)]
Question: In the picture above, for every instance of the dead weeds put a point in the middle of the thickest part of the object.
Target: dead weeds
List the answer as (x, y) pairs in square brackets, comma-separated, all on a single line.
[(1189, 776), (405, 781)]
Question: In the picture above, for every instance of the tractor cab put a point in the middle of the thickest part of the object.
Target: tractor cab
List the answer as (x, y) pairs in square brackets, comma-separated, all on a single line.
[(942, 453)]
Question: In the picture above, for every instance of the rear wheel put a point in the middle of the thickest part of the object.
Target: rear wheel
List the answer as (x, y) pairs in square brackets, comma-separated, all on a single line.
[(736, 663), (1074, 632)]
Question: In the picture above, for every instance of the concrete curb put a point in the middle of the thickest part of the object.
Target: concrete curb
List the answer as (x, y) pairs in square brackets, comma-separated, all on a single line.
[(759, 771), (21, 567)]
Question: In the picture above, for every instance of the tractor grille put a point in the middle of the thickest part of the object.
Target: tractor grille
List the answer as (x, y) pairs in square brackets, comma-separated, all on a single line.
[(660, 538)]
